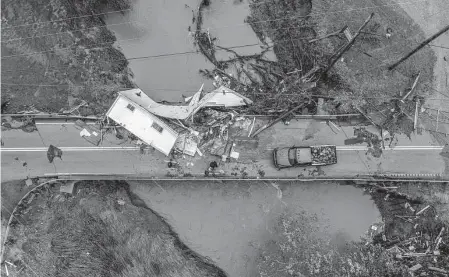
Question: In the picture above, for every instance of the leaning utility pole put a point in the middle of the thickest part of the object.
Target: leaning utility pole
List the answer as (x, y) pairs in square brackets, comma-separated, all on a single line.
[(348, 45), (424, 43)]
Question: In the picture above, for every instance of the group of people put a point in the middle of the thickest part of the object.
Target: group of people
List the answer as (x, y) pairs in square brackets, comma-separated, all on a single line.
[(211, 170)]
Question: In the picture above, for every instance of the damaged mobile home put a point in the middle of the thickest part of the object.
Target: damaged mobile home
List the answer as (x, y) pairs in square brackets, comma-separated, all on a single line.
[(142, 116)]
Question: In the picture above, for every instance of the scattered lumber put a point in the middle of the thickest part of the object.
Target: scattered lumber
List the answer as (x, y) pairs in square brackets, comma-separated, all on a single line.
[(336, 33), (437, 269), (271, 123), (423, 210), (411, 90)]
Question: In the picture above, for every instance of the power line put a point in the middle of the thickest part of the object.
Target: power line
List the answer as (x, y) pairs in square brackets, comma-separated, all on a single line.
[(159, 55), (164, 54), (219, 28), (69, 31), (188, 52), (193, 91), (69, 47), (439, 46), (260, 21), (59, 20), (135, 21), (66, 48), (118, 40), (232, 47), (324, 13)]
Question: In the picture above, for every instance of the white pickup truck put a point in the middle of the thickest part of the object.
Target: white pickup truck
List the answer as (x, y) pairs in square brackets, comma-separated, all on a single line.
[(304, 156)]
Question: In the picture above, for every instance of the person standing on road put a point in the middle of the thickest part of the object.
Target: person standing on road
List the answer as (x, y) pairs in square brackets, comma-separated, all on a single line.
[(389, 33), (212, 166)]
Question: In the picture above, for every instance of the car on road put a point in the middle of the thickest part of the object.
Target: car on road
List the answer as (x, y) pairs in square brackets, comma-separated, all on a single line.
[(293, 156)]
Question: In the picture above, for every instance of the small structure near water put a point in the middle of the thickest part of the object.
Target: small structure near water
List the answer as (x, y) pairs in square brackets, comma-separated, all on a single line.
[(145, 118), (129, 111)]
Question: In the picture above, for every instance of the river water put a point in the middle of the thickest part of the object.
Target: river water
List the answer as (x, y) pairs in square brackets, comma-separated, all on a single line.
[(160, 28), (228, 222)]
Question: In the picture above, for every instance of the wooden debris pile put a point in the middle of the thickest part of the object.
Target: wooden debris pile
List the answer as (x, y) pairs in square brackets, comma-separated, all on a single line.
[(412, 232)]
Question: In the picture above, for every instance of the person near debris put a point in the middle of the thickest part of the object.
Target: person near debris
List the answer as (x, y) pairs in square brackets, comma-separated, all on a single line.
[(212, 166), (172, 163), (388, 34)]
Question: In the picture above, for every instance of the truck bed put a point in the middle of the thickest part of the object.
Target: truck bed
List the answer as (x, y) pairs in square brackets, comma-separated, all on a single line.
[(324, 154)]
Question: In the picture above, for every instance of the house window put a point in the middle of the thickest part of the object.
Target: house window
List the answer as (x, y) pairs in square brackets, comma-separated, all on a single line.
[(131, 107), (157, 127)]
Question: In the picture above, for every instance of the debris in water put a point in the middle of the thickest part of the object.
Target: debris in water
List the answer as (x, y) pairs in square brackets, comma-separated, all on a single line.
[(53, 152), (28, 182), (67, 187)]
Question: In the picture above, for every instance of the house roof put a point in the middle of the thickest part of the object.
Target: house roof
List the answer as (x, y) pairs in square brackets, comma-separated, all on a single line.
[(143, 100), (167, 111), (184, 111), (139, 97), (228, 90)]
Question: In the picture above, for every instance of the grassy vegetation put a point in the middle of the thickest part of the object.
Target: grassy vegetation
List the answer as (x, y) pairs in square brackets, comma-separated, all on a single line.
[(54, 55), (299, 247), (95, 234)]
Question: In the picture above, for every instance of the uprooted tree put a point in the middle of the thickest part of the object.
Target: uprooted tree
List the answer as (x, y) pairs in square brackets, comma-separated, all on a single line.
[(309, 62)]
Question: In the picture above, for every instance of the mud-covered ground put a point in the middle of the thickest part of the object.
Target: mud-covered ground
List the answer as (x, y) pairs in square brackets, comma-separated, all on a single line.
[(57, 53)]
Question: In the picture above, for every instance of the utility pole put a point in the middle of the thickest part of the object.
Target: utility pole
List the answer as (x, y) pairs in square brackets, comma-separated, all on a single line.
[(348, 45), (424, 43), (415, 121)]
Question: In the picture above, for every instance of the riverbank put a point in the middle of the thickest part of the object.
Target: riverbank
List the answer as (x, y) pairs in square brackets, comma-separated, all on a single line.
[(103, 230), (233, 222), (246, 229), (57, 54)]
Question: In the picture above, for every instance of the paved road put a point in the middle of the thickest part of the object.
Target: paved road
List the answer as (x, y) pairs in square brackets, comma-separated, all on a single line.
[(24, 154)]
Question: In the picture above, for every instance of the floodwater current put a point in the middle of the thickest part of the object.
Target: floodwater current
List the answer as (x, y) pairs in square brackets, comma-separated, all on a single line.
[(159, 31), (228, 222)]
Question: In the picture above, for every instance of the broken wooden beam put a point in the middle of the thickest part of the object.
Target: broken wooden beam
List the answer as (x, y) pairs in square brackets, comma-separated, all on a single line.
[(411, 90), (336, 33), (415, 267), (415, 121), (271, 123), (437, 269), (423, 209)]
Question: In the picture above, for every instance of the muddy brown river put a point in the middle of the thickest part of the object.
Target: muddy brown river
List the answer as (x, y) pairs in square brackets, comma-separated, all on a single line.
[(155, 28), (228, 222)]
